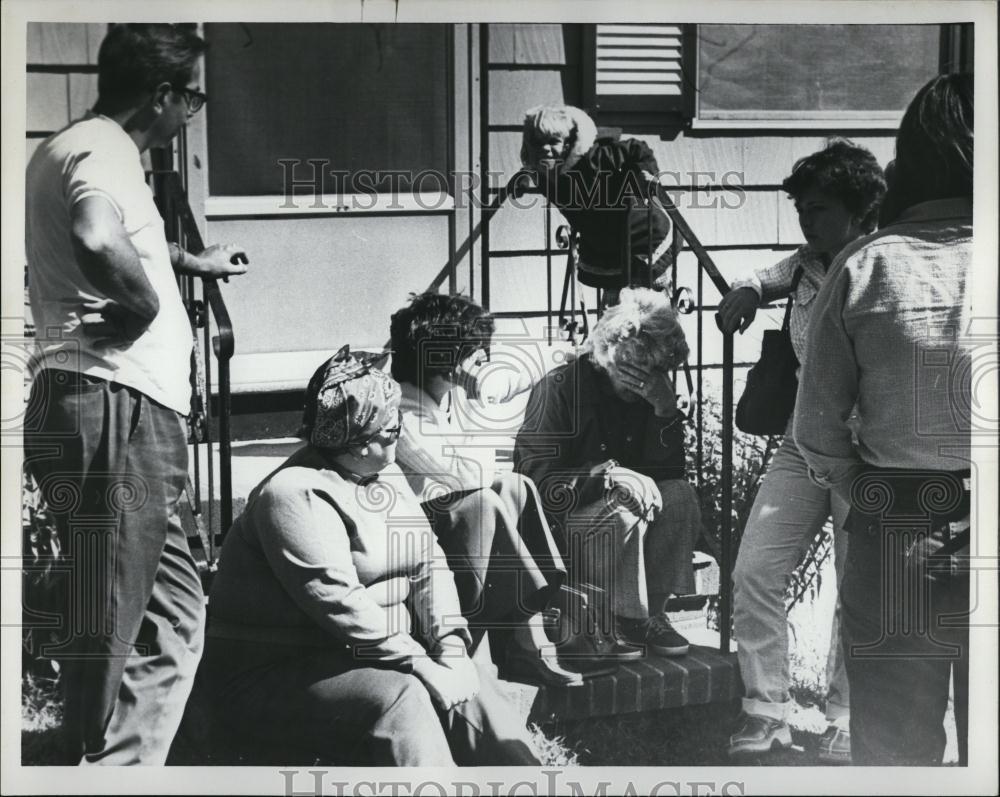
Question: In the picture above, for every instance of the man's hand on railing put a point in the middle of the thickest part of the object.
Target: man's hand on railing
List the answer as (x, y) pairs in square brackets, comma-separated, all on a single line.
[(216, 261), (446, 688)]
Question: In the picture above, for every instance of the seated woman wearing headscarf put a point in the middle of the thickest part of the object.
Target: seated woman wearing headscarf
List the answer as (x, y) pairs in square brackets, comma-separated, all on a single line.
[(334, 624), (603, 439), (507, 565)]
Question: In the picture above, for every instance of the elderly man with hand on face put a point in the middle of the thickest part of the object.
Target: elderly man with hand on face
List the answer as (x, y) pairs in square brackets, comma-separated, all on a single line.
[(604, 441)]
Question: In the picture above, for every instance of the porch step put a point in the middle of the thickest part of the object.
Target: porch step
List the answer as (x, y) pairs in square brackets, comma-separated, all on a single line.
[(703, 676)]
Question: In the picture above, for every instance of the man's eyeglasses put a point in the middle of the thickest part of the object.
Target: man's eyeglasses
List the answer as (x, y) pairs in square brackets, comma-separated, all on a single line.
[(195, 99)]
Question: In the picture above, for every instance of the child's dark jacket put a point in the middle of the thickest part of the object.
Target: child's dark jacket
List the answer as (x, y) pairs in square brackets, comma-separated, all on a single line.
[(592, 194)]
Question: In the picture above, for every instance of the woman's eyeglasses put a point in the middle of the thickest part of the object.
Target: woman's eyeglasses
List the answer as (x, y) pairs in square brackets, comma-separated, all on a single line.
[(390, 434)]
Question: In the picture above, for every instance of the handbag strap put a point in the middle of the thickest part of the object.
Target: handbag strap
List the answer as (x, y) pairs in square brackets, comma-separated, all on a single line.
[(796, 278)]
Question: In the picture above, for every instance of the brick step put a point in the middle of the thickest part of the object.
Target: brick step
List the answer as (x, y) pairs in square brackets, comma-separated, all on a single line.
[(703, 676)]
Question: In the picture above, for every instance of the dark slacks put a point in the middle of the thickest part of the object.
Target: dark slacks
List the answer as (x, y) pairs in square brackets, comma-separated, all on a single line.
[(500, 549), (124, 597), (905, 638), (317, 703)]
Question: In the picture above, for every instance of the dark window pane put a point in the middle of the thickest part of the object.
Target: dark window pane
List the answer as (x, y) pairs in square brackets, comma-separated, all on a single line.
[(365, 98), (792, 71)]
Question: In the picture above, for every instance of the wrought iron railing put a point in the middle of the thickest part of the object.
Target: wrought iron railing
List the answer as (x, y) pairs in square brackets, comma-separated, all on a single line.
[(209, 422), (684, 235)]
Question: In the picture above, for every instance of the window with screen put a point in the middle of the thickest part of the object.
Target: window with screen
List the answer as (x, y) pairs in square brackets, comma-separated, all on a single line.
[(369, 100), (813, 72)]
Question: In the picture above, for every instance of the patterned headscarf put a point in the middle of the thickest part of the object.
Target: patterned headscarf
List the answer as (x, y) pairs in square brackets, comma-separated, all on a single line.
[(348, 400)]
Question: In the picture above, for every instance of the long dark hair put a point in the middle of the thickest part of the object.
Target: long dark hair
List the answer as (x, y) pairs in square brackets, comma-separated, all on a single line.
[(933, 147)]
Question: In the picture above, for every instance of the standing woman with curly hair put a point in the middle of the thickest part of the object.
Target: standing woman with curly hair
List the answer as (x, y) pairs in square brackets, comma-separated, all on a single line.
[(837, 193)]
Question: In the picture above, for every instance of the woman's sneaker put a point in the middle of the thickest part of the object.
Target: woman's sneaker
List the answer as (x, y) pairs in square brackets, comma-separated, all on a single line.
[(757, 734), (655, 633), (835, 745)]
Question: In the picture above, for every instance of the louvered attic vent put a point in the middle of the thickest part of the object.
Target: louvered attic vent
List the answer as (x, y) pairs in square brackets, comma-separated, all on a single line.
[(641, 67)]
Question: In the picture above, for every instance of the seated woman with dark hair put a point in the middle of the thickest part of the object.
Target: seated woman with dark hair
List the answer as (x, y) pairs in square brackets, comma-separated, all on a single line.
[(334, 626), (507, 566)]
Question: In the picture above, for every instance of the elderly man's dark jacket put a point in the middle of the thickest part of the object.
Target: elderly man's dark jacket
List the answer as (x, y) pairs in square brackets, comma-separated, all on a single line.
[(574, 421)]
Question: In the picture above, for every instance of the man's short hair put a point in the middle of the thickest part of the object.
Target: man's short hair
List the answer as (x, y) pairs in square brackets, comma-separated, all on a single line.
[(136, 58), (434, 333)]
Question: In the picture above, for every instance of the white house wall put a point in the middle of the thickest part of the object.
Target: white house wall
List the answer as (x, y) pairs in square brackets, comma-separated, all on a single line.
[(317, 283)]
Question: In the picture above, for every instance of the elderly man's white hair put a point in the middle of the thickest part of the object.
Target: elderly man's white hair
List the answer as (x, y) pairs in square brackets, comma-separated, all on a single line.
[(642, 329), (566, 121)]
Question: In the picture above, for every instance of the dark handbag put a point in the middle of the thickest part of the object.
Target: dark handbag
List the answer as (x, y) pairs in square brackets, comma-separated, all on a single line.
[(769, 396)]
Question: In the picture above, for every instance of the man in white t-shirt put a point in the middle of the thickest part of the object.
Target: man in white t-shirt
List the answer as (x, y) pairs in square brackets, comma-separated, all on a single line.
[(105, 437)]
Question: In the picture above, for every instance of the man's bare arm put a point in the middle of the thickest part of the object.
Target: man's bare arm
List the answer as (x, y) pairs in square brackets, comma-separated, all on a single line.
[(111, 264)]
